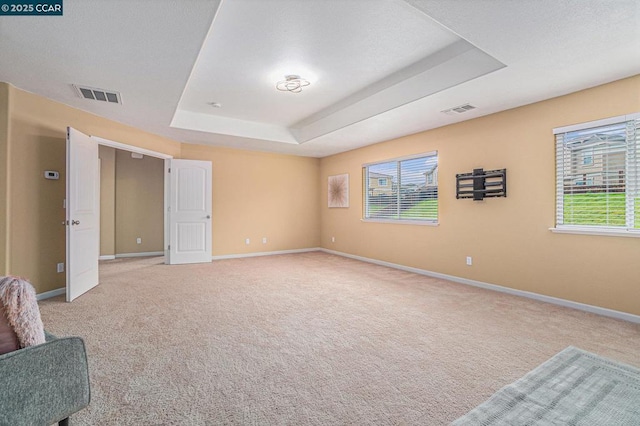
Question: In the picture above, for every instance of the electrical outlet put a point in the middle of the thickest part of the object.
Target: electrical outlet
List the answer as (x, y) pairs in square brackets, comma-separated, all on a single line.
[(264, 240), (333, 239), (60, 267), (247, 241), (469, 261), (139, 240)]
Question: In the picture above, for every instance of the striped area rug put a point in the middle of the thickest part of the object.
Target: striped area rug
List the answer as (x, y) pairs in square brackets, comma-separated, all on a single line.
[(574, 387)]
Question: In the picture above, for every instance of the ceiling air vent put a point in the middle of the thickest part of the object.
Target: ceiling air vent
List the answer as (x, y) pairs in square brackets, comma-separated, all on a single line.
[(95, 94), (459, 109)]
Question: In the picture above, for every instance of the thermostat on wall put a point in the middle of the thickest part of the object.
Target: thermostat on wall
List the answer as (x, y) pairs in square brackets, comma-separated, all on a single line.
[(50, 174)]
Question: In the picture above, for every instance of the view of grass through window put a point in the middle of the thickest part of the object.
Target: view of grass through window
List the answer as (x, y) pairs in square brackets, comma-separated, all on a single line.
[(405, 189), (595, 209)]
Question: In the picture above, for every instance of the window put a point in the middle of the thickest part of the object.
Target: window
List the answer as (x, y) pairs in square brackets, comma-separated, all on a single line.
[(598, 177), (587, 157), (403, 189)]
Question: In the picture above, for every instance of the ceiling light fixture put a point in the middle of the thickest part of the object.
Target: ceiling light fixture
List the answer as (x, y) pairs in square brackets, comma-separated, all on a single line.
[(292, 83)]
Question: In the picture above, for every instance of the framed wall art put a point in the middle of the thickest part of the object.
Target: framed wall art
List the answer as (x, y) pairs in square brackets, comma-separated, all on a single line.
[(339, 190)]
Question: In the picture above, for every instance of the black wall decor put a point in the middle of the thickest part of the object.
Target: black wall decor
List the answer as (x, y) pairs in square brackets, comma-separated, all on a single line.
[(482, 184)]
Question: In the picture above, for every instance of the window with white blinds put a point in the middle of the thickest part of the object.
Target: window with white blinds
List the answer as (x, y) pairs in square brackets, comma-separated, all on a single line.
[(598, 176), (402, 189)]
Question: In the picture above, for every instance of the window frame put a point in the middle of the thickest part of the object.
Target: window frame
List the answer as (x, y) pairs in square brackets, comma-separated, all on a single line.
[(366, 195), (632, 180)]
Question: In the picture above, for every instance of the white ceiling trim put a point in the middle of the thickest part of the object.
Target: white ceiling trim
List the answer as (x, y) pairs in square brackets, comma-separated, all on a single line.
[(231, 126)]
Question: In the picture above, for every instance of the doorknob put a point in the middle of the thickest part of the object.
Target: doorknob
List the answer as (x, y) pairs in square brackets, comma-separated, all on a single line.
[(208, 216), (75, 222)]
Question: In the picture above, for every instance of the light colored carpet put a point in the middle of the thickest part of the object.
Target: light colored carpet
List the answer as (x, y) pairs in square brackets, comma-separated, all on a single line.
[(309, 339), (574, 387)]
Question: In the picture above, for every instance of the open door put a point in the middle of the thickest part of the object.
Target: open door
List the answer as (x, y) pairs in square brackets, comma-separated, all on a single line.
[(82, 213), (189, 211)]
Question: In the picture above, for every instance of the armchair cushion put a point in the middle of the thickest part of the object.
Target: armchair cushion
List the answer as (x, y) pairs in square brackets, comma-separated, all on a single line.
[(43, 384)]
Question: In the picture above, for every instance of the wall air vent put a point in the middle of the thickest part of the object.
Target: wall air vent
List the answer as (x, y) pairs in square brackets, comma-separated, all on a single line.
[(95, 94), (459, 109)]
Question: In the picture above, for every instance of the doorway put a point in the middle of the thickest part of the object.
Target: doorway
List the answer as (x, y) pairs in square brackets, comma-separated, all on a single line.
[(110, 248), (131, 204)]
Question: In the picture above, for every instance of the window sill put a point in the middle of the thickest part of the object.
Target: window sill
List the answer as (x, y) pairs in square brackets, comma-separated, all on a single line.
[(606, 232), (402, 222)]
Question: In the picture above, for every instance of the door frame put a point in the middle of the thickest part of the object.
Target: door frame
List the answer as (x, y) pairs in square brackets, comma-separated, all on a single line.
[(167, 162)]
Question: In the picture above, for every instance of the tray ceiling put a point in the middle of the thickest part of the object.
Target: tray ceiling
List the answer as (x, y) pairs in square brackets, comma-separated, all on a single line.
[(378, 69)]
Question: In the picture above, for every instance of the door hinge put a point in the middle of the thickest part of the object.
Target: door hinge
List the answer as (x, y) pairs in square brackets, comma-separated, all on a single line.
[(169, 169), (169, 248)]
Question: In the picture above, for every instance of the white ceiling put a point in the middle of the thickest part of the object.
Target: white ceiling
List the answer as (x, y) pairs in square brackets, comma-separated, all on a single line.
[(379, 69)]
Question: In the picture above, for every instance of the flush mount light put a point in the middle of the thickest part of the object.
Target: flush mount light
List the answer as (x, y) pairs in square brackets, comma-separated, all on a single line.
[(292, 83)]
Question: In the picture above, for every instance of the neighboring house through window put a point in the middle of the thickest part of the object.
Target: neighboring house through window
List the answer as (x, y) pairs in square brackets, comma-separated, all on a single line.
[(431, 176), (380, 184)]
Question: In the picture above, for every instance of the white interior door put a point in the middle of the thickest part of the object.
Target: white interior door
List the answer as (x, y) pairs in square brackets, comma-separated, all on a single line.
[(189, 211), (82, 213)]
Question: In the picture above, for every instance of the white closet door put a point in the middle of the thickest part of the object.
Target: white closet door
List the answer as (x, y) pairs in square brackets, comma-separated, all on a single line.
[(190, 212)]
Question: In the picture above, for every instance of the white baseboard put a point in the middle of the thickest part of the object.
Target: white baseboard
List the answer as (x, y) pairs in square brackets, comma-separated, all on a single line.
[(51, 293), (107, 257), (264, 253), (145, 254), (540, 297)]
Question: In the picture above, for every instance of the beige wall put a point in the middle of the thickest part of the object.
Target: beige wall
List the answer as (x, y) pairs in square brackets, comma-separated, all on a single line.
[(36, 211), (36, 142), (508, 238), (139, 204), (107, 156), (258, 195), (4, 178)]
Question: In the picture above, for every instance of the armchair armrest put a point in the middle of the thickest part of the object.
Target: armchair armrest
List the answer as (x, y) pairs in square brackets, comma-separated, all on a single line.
[(43, 384)]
